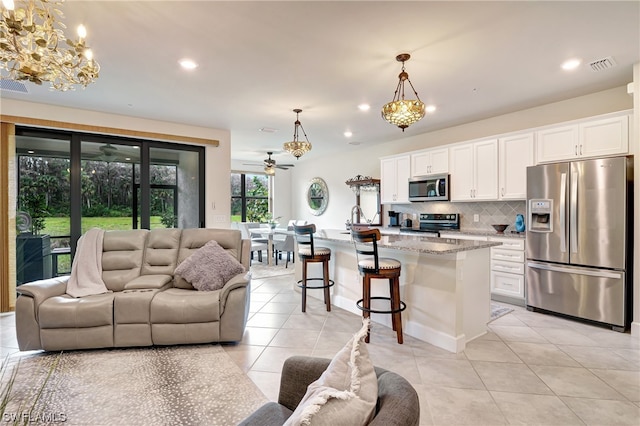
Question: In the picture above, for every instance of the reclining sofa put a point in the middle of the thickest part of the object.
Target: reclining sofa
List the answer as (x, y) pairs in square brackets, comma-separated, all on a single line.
[(146, 304)]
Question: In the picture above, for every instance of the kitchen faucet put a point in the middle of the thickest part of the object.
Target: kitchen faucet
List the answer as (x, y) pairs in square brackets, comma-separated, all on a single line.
[(355, 209)]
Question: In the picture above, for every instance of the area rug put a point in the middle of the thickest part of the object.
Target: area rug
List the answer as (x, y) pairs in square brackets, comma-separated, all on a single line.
[(265, 271), (181, 385), (498, 311)]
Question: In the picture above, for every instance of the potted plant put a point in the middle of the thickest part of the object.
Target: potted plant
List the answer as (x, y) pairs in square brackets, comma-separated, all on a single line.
[(272, 221)]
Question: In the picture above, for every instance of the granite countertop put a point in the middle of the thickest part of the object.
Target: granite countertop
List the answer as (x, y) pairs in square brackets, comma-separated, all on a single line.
[(414, 243), (507, 234)]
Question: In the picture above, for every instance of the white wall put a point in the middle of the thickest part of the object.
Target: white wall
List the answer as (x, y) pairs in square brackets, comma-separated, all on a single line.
[(635, 146), (217, 188)]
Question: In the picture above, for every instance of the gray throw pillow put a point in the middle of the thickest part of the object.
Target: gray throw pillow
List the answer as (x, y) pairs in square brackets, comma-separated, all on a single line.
[(209, 267)]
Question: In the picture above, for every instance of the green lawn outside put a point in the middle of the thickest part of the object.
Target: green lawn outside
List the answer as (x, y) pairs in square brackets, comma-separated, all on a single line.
[(56, 226)]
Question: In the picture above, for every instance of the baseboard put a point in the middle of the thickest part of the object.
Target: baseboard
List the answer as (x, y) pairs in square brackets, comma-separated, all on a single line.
[(635, 329), (436, 338), (517, 301), (410, 328)]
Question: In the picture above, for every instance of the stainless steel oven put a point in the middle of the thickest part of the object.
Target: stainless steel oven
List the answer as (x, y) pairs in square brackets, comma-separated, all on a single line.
[(429, 188)]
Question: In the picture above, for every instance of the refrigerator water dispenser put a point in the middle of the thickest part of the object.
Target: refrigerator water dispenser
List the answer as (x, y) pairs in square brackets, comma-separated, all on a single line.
[(540, 215)]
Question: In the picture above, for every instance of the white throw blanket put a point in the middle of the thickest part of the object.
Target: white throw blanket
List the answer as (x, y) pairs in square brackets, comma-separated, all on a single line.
[(86, 270)]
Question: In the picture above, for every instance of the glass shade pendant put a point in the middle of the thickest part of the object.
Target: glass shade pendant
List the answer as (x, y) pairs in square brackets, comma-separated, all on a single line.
[(403, 112), (270, 170), (296, 147)]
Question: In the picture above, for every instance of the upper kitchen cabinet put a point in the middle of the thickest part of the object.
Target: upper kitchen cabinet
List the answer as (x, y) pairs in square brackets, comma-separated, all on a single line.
[(394, 179), (430, 162), (593, 138), (474, 171), (516, 154)]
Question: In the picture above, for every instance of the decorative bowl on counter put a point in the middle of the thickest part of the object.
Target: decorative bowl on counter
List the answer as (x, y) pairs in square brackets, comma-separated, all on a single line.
[(500, 228)]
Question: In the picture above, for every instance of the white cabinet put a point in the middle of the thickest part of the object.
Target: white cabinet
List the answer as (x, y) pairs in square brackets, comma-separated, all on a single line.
[(394, 179), (557, 143), (430, 162), (474, 171), (592, 138), (516, 154), (507, 269), (607, 136)]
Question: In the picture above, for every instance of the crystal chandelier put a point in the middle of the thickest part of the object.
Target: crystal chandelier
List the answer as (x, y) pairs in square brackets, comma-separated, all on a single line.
[(31, 46), (400, 112), (296, 147)]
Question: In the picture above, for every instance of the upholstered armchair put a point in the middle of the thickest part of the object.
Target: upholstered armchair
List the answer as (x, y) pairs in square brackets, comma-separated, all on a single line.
[(397, 404)]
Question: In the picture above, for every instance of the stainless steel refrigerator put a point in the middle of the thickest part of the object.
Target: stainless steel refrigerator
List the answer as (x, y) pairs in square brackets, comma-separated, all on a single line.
[(579, 239)]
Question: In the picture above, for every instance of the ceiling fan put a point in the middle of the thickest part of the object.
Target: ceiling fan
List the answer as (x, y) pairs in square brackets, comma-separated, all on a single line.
[(270, 164), (108, 153)]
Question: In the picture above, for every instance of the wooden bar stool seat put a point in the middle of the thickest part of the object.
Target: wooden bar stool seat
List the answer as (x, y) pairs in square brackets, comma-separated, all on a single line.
[(308, 253), (371, 266)]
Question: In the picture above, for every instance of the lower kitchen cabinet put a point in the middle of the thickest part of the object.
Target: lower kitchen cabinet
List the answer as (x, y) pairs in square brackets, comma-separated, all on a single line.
[(507, 266), (507, 270)]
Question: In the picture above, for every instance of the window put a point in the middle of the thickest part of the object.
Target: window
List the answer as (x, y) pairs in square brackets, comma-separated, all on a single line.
[(250, 197)]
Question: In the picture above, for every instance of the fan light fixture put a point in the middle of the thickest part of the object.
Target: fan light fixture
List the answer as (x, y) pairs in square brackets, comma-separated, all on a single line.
[(296, 147), (400, 112), (31, 49), (270, 169)]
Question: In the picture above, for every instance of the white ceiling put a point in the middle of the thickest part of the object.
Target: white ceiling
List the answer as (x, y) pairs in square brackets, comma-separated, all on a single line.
[(260, 60)]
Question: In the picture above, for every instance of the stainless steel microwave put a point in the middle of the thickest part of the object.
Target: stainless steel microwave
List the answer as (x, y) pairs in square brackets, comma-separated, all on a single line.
[(429, 188)]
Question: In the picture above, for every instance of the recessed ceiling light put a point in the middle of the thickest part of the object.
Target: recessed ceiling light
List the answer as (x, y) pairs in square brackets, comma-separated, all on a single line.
[(188, 64), (364, 107), (430, 108), (30, 152), (348, 134), (267, 129), (571, 64)]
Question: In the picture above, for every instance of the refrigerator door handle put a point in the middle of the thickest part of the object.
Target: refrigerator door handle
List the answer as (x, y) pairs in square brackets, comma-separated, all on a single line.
[(563, 212), (573, 231), (579, 271)]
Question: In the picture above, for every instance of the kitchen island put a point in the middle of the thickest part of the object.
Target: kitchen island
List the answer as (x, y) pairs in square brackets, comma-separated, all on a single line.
[(444, 282)]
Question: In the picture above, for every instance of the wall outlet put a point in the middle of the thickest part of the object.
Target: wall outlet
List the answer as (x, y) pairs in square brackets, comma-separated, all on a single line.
[(476, 218)]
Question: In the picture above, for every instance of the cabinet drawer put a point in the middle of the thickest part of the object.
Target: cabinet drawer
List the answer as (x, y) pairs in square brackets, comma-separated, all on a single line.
[(509, 243), (507, 284), (499, 253), (511, 267)]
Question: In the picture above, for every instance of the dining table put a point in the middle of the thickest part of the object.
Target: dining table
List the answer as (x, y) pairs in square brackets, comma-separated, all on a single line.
[(267, 233)]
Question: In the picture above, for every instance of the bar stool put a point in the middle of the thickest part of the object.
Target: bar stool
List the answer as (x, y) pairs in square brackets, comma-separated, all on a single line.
[(309, 253), (372, 266)]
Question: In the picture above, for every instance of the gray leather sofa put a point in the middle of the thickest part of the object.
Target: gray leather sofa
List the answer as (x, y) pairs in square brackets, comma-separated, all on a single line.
[(145, 306)]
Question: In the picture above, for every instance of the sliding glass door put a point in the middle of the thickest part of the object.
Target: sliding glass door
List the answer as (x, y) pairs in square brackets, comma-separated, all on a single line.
[(70, 182)]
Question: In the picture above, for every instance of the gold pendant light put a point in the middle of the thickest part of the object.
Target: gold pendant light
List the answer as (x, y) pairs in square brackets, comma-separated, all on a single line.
[(403, 112), (296, 147)]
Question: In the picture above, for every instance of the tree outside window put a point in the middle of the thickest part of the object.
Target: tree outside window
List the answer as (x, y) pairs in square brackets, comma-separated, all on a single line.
[(249, 197)]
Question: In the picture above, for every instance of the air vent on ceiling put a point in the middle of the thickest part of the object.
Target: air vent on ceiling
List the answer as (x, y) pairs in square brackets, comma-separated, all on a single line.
[(603, 64), (13, 86)]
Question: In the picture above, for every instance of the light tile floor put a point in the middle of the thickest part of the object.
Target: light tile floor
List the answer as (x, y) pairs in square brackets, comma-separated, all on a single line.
[(529, 368)]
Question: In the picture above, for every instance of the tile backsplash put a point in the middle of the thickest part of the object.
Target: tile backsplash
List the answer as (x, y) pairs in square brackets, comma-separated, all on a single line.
[(489, 213)]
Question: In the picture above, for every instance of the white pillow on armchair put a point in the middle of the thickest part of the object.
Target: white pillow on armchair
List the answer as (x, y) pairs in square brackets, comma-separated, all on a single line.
[(347, 391)]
